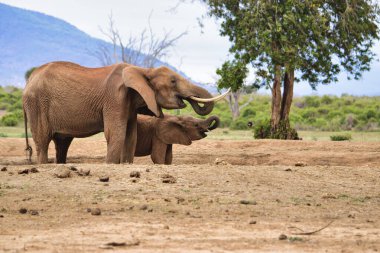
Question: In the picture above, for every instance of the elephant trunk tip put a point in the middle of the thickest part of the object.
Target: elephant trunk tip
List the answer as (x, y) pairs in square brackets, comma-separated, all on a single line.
[(214, 122)]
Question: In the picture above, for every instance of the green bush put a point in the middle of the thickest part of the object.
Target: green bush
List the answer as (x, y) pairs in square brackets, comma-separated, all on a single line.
[(3, 135), (249, 112), (312, 101), (9, 120), (263, 130), (341, 137), (239, 124)]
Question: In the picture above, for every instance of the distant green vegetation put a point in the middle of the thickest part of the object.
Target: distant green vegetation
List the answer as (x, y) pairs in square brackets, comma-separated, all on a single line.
[(11, 105), (308, 113)]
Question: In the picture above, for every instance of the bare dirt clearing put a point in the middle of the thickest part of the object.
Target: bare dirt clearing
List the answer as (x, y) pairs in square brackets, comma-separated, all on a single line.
[(245, 202)]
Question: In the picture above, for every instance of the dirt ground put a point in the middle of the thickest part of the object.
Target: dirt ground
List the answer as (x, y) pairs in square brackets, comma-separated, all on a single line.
[(218, 196)]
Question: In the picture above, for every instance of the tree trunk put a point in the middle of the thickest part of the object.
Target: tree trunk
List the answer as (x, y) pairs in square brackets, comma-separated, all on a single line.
[(276, 99), (287, 96), (233, 102)]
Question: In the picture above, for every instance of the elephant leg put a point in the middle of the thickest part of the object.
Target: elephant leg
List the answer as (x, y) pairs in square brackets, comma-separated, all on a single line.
[(130, 141), (42, 138), (61, 147), (169, 154), (42, 146), (158, 151), (115, 136)]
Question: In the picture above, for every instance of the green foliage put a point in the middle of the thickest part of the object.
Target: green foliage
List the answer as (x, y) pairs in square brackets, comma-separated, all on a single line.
[(9, 120), (232, 75), (3, 135), (239, 124), (341, 137), (28, 73), (316, 38), (283, 132), (10, 98)]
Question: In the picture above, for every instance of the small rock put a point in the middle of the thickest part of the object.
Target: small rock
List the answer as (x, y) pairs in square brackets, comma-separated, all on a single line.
[(147, 170), (180, 200), (33, 212), (34, 170), (166, 227), (4, 169), (219, 161), (144, 207), (23, 210), (300, 164), (84, 172), (252, 222), (248, 202), (150, 210), (282, 237), (133, 242), (1, 216), (168, 179), (135, 174), (288, 169), (73, 168), (134, 180), (62, 172), (96, 211), (88, 210), (24, 171), (104, 179)]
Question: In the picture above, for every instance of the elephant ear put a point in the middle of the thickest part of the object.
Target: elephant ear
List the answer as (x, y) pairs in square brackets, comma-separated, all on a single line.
[(134, 78), (170, 131)]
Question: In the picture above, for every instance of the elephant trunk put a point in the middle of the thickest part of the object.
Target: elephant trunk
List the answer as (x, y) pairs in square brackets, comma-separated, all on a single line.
[(212, 123), (203, 108)]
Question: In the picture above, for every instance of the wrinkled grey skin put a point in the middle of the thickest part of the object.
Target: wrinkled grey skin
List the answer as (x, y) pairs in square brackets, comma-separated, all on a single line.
[(63, 100), (156, 136)]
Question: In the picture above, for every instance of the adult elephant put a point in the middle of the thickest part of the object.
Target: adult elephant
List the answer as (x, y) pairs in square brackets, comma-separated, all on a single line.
[(156, 136), (63, 100)]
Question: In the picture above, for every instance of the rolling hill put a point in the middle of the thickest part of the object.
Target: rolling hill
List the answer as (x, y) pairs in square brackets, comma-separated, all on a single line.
[(29, 39)]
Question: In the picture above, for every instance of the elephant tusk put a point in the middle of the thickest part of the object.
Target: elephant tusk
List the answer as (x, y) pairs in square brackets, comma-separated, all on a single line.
[(214, 99)]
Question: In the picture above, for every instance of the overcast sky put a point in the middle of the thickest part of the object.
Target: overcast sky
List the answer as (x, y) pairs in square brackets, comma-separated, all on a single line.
[(197, 54)]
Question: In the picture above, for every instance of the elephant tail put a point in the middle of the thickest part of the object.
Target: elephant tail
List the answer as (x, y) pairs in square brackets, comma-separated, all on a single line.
[(28, 148)]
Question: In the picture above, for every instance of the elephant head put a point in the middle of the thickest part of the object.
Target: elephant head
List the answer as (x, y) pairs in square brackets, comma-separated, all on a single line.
[(183, 130), (162, 87)]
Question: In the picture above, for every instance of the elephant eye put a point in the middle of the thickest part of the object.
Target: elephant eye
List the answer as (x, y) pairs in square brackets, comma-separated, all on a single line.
[(173, 80)]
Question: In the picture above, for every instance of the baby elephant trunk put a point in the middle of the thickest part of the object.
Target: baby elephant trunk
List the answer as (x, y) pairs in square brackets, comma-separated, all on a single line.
[(212, 122)]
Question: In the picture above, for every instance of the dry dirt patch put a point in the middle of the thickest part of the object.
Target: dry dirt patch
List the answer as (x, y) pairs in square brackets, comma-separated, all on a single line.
[(242, 205)]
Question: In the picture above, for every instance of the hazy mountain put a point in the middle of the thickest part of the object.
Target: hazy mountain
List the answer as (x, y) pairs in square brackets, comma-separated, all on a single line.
[(29, 39)]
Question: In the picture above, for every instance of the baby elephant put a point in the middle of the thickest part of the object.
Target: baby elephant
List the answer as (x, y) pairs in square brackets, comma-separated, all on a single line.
[(156, 136)]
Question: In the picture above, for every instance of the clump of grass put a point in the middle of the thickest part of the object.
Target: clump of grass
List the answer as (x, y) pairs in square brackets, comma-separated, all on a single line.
[(295, 239), (3, 135), (341, 137)]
